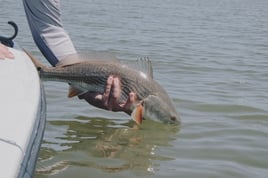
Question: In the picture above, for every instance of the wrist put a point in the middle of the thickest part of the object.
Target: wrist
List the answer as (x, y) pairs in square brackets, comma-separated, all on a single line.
[(69, 60)]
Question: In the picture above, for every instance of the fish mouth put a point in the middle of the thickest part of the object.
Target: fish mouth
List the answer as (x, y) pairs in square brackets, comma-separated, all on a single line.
[(173, 119), (165, 118)]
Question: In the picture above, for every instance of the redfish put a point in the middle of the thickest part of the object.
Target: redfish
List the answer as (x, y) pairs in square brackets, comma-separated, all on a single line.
[(152, 101)]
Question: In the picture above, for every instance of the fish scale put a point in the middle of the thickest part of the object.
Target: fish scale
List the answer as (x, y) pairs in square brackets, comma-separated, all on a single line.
[(91, 76), (96, 73)]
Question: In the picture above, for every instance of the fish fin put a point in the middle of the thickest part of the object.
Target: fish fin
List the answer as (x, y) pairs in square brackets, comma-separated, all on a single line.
[(73, 91), (36, 62), (137, 114), (143, 64)]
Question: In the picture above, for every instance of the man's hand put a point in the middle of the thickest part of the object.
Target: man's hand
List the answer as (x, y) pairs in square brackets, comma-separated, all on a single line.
[(5, 53), (109, 100)]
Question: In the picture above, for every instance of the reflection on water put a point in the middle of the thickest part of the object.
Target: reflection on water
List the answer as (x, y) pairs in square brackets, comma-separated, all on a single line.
[(210, 56), (102, 144)]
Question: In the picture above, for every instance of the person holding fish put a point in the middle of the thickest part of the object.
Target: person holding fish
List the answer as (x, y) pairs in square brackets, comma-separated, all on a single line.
[(55, 44), (108, 85), (44, 19)]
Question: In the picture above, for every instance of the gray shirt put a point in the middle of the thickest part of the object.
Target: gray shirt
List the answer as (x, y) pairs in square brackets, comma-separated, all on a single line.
[(44, 19)]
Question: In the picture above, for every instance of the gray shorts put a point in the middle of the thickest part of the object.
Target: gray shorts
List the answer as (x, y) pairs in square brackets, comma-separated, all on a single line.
[(47, 30)]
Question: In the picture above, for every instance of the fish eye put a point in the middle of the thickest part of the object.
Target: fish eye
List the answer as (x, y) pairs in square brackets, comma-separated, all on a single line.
[(173, 118)]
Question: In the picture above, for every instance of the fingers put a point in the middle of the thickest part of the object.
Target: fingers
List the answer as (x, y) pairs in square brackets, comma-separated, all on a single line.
[(132, 98), (116, 88), (112, 94), (115, 93), (126, 107), (109, 100), (107, 91), (5, 53)]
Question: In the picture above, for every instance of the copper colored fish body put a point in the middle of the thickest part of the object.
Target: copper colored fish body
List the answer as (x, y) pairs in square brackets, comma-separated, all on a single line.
[(152, 100)]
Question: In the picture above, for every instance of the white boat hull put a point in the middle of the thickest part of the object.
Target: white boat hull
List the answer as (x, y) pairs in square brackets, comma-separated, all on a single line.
[(22, 116)]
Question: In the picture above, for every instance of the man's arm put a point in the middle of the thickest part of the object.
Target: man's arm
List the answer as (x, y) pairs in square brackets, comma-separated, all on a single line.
[(44, 19)]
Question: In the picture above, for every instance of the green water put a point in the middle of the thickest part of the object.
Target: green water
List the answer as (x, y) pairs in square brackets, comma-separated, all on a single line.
[(212, 58)]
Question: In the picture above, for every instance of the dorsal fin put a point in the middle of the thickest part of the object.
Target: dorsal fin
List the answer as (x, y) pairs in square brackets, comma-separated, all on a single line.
[(143, 64)]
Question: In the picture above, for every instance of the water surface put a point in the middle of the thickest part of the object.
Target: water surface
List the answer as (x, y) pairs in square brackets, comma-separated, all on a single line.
[(212, 58)]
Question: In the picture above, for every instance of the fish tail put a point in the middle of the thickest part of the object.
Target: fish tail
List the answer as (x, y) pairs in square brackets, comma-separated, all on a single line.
[(36, 62)]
